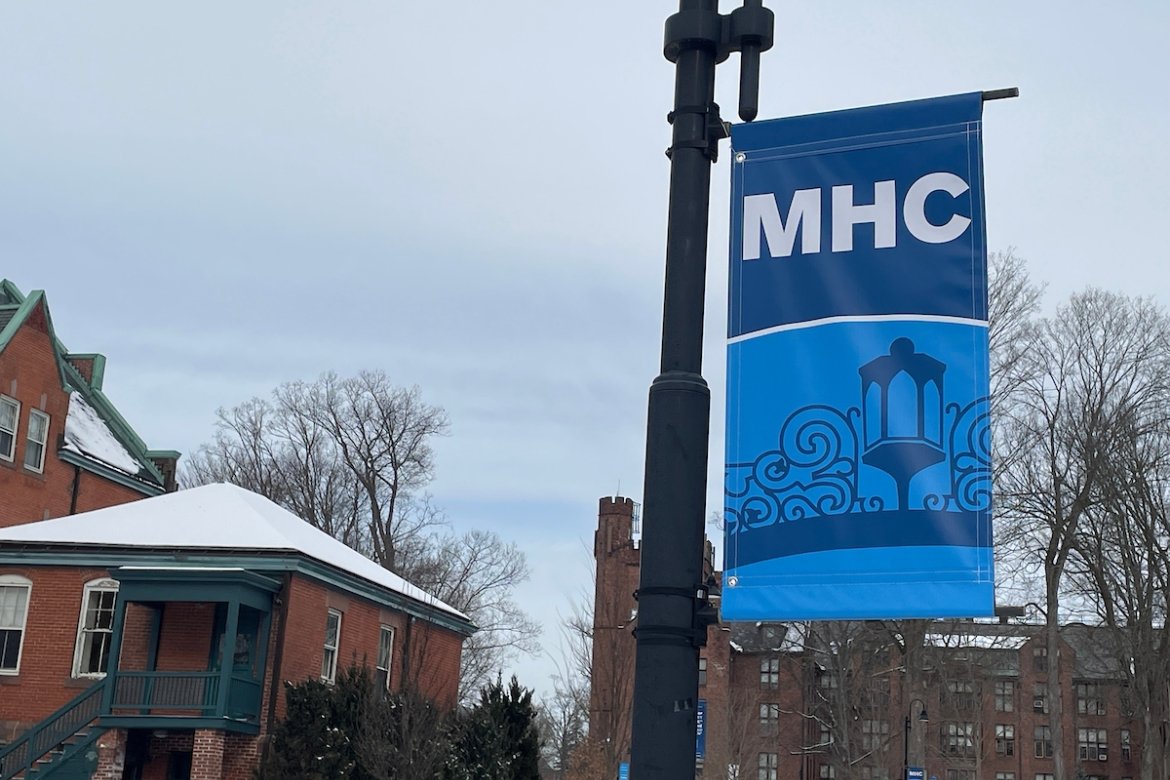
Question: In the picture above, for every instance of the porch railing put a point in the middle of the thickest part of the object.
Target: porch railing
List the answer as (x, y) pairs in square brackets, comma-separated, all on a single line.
[(244, 699), (193, 694), (184, 694)]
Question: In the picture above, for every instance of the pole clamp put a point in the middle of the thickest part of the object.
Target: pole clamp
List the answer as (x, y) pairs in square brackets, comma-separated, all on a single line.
[(714, 130)]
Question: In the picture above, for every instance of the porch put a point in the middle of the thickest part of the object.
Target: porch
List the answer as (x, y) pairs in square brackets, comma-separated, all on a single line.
[(187, 675)]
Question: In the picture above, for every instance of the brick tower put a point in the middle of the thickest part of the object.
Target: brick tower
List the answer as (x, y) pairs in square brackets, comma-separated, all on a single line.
[(617, 556)]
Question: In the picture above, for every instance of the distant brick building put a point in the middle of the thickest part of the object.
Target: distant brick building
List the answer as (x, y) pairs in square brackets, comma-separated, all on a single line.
[(64, 448), (113, 657), (842, 701)]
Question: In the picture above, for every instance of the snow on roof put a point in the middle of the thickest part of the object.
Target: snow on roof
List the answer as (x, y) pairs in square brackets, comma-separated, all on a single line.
[(213, 517), (961, 639), (86, 432)]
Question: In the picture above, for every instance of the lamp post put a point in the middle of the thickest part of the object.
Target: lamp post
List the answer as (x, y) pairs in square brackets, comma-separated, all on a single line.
[(673, 611), (922, 718)]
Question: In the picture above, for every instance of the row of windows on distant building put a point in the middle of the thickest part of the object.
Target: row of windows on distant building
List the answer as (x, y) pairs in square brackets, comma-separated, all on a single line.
[(1090, 697), (769, 762), (958, 738), (95, 626), (36, 434)]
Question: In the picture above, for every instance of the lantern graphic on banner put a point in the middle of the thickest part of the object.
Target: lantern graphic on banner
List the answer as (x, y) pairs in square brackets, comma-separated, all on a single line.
[(902, 414)]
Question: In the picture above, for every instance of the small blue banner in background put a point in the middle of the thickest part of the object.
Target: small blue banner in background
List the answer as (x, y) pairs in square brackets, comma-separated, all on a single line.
[(858, 477), (701, 730)]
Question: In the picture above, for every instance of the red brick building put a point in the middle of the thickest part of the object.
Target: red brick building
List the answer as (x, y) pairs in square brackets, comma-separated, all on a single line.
[(113, 625), (851, 700), (64, 448), (112, 613)]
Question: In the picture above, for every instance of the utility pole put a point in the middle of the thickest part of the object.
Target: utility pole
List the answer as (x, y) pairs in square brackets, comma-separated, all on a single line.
[(673, 611)]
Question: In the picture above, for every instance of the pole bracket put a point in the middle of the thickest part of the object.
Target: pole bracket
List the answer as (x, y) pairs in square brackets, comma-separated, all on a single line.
[(749, 25), (714, 130)]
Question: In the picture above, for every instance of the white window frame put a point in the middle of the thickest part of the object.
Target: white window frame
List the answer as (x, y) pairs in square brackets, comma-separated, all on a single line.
[(92, 587), (14, 405), (769, 673), (1005, 695), (329, 652), (768, 766), (14, 581), (28, 439), (385, 663), (875, 734), (1005, 739), (1093, 744)]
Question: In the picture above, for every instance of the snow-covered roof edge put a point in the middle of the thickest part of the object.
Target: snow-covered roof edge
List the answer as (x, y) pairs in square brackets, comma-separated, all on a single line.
[(88, 434), (213, 518)]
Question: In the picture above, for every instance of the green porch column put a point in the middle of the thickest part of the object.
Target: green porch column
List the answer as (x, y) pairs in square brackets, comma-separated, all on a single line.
[(156, 616), (227, 655), (116, 630)]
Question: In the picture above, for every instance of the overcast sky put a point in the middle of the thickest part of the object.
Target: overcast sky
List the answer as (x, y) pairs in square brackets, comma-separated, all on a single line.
[(223, 196)]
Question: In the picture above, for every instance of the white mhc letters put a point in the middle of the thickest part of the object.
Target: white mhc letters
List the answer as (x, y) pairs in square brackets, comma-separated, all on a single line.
[(761, 214)]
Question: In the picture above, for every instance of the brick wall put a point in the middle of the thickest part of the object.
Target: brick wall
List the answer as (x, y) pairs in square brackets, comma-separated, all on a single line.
[(29, 374), (111, 747), (45, 680), (435, 651), (185, 640), (241, 757), (160, 752), (208, 755)]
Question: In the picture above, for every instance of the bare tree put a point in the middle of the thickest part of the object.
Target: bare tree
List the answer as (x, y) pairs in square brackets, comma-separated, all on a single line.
[(1090, 378), (1122, 568), (851, 668), (1013, 304), (1013, 300), (353, 456), (563, 720), (475, 572)]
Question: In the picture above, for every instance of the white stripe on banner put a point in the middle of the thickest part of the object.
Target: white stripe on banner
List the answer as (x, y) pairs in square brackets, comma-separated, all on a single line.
[(859, 318)]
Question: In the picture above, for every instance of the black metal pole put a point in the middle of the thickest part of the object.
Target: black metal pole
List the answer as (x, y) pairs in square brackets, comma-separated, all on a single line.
[(906, 750), (672, 604)]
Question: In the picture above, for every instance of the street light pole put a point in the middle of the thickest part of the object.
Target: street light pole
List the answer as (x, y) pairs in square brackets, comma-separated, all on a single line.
[(673, 612), (922, 718)]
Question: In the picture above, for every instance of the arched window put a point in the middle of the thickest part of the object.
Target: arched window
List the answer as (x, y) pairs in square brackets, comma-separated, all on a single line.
[(95, 628), (15, 592)]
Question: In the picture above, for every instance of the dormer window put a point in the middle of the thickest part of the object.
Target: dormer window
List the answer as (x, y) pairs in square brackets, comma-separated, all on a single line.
[(38, 434), (9, 414)]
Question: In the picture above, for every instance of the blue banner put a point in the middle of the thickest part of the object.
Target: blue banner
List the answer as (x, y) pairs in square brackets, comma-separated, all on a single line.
[(701, 730), (858, 476)]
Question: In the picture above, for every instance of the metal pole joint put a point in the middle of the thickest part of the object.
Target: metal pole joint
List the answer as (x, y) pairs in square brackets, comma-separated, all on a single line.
[(751, 25)]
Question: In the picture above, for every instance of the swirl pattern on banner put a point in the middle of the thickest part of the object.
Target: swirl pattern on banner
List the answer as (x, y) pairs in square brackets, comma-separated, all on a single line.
[(813, 472)]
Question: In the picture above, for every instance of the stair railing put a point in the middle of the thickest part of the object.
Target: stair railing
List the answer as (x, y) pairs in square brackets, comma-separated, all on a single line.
[(23, 754)]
